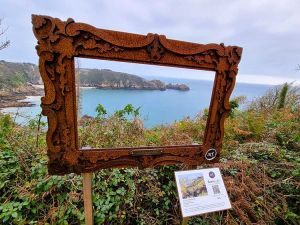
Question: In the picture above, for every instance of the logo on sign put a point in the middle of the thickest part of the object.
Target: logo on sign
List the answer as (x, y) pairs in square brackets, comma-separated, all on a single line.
[(211, 154), (211, 174)]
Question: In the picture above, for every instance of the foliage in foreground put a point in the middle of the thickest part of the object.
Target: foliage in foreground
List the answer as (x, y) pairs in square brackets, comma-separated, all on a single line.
[(260, 165)]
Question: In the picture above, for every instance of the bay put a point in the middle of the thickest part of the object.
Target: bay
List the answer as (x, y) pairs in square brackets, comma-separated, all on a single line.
[(157, 107)]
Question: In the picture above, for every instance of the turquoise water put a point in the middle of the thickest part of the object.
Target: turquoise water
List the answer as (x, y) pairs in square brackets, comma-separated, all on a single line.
[(157, 107)]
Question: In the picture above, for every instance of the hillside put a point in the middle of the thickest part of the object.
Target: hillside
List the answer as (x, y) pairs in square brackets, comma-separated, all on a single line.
[(13, 75), (108, 79), (18, 80)]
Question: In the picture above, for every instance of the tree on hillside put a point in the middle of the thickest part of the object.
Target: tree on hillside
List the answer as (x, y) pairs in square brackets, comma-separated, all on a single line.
[(282, 95), (286, 95), (3, 44)]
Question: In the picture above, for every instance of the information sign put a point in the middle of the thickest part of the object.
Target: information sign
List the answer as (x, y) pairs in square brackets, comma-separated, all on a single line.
[(201, 191)]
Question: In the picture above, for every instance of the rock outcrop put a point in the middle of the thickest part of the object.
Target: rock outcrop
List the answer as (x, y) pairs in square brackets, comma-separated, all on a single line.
[(180, 87)]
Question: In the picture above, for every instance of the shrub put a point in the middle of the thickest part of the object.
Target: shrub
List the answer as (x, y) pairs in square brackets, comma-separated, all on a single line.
[(260, 166)]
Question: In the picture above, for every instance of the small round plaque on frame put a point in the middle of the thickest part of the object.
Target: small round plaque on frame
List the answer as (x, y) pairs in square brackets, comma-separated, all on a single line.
[(211, 154)]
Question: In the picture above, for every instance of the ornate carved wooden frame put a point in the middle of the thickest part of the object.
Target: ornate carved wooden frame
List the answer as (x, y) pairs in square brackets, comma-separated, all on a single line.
[(60, 41)]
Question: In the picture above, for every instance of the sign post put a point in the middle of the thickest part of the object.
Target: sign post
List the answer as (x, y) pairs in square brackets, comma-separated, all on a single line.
[(87, 198), (185, 220)]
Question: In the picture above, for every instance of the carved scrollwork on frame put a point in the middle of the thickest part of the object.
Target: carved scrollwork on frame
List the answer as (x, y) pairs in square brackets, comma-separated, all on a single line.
[(60, 41)]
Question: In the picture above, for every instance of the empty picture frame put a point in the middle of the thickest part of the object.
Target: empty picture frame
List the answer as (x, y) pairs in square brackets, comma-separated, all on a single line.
[(60, 41)]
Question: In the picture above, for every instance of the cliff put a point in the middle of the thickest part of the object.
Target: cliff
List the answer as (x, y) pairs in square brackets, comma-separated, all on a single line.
[(108, 79), (14, 75), (18, 80)]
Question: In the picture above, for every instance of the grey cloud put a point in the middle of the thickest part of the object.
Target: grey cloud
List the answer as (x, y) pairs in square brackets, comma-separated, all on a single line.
[(267, 30)]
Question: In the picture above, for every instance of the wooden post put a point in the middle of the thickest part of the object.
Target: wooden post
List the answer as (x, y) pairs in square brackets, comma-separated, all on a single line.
[(185, 220), (87, 198)]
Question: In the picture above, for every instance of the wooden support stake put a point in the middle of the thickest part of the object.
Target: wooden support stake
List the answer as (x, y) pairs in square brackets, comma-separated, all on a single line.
[(185, 220), (87, 198)]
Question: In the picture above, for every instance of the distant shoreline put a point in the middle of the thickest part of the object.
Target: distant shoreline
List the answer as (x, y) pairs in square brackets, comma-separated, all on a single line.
[(19, 80), (157, 107), (18, 97), (16, 100)]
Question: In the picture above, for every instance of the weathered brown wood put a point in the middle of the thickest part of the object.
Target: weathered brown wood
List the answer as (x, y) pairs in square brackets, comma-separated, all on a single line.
[(87, 198), (60, 41), (152, 156), (185, 220)]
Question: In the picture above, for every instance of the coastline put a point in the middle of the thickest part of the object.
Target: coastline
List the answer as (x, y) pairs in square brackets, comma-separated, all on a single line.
[(155, 105), (23, 98), (20, 97), (18, 101), (27, 101), (86, 87)]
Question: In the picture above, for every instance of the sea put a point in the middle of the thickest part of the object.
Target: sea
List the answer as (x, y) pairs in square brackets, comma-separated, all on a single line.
[(156, 107)]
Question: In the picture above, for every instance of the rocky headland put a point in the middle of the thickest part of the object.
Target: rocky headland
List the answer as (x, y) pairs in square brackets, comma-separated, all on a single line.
[(17, 96), (108, 79), (18, 80), (146, 85)]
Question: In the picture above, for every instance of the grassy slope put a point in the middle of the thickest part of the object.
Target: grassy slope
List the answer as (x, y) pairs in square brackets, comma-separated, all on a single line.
[(104, 75), (14, 75), (260, 165)]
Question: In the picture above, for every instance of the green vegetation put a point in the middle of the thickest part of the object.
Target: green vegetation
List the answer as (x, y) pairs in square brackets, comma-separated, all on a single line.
[(260, 165), (95, 76), (282, 96), (14, 75)]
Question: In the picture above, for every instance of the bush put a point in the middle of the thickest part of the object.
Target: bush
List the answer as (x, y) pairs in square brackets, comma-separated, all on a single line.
[(260, 166)]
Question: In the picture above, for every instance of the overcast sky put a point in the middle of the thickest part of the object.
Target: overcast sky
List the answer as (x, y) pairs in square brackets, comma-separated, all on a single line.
[(268, 31)]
